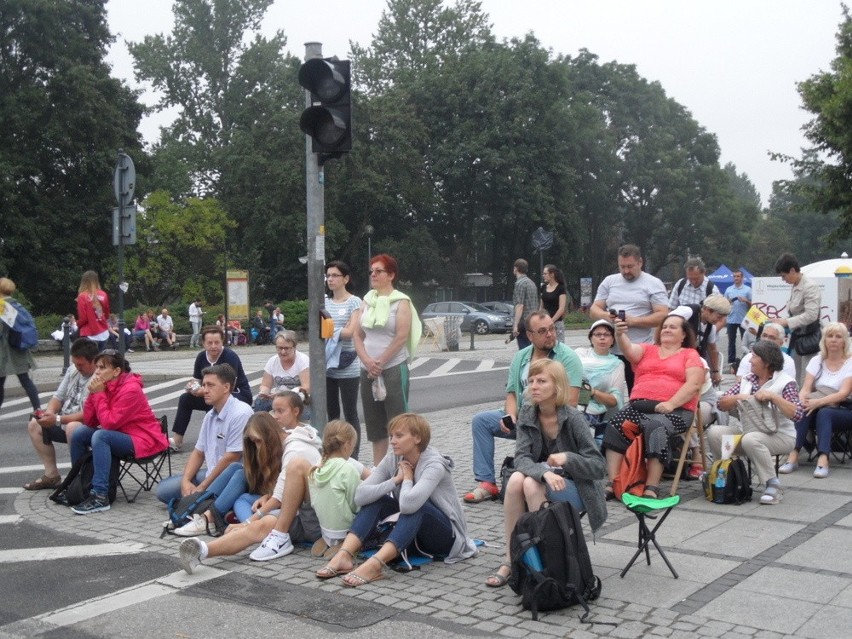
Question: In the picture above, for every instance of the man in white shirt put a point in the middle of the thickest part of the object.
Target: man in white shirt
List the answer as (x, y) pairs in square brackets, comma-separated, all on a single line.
[(774, 333), (167, 328)]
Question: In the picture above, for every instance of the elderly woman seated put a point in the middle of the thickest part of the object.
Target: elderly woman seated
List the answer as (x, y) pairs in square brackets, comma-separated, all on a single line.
[(667, 377), (778, 395)]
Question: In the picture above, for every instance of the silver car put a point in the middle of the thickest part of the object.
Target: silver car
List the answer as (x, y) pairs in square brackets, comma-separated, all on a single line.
[(473, 316)]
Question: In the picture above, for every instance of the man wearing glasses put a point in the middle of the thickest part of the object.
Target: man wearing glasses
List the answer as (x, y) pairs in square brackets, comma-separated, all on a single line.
[(489, 424)]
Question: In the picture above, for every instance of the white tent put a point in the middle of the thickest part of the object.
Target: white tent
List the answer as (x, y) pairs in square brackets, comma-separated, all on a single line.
[(828, 268)]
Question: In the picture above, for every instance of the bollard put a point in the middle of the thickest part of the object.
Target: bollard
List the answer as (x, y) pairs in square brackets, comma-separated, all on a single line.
[(66, 344), (472, 333)]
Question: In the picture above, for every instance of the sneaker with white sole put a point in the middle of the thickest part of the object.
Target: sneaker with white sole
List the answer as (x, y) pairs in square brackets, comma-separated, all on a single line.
[(198, 526), (274, 546), (787, 468), (94, 503), (821, 472), (190, 554)]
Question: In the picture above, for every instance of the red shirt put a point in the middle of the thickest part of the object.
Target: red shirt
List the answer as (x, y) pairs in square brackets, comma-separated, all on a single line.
[(659, 379), (92, 320)]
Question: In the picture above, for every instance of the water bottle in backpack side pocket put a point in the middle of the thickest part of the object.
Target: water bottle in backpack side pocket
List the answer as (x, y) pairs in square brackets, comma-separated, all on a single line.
[(531, 556), (719, 487)]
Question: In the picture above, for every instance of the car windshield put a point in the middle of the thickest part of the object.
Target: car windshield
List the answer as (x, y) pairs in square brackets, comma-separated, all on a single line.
[(479, 307)]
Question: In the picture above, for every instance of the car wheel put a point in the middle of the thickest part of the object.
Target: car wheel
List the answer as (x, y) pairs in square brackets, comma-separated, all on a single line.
[(481, 327)]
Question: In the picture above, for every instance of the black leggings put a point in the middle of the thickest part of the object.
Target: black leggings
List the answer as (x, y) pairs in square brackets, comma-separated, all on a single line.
[(28, 386)]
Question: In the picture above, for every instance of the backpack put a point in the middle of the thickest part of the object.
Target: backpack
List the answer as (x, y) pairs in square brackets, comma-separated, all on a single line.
[(632, 473), (565, 578), (506, 470), (182, 509), (77, 485), (727, 482), (23, 334)]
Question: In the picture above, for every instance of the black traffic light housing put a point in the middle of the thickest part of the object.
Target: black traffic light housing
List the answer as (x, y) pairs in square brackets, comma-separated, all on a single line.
[(329, 118)]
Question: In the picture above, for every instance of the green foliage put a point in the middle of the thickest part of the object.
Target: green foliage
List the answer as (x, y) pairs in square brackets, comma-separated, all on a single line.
[(62, 120), (180, 250), (295, 314), (824, 172)]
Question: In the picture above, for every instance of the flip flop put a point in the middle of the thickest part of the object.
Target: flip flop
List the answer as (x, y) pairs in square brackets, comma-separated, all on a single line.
[(499, 580), (330, 573), (43, 483), (363, 581)]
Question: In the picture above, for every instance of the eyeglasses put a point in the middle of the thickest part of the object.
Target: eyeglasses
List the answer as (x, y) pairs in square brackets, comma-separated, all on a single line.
[(284, 349), (545, 331), (331, 276), (376, 271), (607, 334)]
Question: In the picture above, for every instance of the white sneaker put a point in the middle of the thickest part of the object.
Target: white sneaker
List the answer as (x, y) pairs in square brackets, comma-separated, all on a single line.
[(176, 448), (190, 554), (274, 546), (198, 526)]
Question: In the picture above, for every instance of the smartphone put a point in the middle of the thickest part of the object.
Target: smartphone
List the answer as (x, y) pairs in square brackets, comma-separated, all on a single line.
[(613, 313), (508, 422), (622, 316), (38, 414)]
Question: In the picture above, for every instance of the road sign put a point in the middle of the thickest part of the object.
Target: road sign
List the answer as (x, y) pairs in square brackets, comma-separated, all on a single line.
[(124, 181), (541, 239)]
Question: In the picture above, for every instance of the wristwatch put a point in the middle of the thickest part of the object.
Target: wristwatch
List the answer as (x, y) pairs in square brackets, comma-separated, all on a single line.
[(58, 420)]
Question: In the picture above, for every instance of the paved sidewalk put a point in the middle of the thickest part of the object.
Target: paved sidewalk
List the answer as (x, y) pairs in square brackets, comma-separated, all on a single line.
[(745, 571)]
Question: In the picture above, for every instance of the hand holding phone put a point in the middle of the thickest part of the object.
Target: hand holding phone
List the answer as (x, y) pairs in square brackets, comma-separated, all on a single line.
[(508, 422)]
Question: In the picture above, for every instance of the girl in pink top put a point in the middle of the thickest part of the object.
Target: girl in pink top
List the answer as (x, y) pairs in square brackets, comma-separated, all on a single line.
[(668, 376), (93, 309)]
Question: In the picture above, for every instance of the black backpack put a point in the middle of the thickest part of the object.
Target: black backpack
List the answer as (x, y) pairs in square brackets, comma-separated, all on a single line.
[(566, 578), (182, 510), (77, 485), (735, 483)]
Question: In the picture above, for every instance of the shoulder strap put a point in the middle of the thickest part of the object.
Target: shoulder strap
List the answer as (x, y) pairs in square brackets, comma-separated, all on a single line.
[(709, 291), (680, 284)]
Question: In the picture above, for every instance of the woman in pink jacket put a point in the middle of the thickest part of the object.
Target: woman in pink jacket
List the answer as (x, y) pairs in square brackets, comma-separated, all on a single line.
[(93, 310), (117, 421)]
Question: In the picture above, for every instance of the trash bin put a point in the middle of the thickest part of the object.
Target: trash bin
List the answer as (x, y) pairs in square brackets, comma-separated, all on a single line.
[(452, 332)]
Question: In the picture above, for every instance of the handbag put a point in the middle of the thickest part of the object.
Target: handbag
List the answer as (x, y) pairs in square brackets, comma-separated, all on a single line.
[(644, 405), (805, 340), (758, 416)]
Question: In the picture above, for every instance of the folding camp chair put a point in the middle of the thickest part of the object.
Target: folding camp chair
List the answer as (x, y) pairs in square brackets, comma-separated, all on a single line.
[(648, 507), (151, 467)]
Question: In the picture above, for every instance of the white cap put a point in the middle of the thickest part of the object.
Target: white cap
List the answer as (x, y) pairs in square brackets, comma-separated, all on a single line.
[(682, 311), (602, 322)]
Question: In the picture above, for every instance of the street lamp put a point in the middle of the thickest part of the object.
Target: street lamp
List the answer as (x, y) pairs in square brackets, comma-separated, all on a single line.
[(369, 231)]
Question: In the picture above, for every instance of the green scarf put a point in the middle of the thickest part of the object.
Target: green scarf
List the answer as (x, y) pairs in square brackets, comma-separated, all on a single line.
[(378, 311)]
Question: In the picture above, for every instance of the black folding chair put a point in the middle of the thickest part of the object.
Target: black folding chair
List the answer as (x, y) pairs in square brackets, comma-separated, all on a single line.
[(149, 469)]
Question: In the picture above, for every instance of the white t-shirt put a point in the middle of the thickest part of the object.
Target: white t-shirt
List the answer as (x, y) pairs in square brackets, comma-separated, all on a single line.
[(825, 377), (165, 323), (637, 298), (286, 379)]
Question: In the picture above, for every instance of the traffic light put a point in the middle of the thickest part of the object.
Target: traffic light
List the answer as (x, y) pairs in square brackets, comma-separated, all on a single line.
[(329, 118)]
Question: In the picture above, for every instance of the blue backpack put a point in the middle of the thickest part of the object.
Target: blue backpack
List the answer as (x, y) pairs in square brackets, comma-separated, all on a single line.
[(23, 334)]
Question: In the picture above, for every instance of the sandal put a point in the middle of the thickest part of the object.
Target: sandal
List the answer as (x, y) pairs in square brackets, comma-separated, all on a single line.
[(771, 495), (497, 580), (328, 572), (363, 581), (43, 483), (652, 491), (485, 491), (609, 493)]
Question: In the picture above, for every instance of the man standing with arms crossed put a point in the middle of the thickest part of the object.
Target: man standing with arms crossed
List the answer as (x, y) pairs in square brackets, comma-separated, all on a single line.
[(640, 296), (740, 297), (525, 299)]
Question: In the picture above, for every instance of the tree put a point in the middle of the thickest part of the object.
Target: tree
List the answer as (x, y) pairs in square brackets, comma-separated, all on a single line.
[(828, 164), (237, 133), (181, 250), (62, 121)]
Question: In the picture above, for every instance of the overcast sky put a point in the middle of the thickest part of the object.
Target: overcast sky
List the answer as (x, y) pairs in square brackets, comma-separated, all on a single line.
[(733, 63)]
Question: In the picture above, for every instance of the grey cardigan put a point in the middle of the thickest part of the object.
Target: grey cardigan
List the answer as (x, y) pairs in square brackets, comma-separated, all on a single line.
[(433, 481), (585, 464)]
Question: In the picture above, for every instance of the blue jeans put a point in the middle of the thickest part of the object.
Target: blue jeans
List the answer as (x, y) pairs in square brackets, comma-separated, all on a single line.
[(104, 444), (822, 422), (485, 426), (569, 494), (429, 527), (225, 491), (242, 507)]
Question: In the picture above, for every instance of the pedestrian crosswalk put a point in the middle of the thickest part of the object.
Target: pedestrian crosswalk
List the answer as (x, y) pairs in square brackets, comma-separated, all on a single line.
[(165, 394)]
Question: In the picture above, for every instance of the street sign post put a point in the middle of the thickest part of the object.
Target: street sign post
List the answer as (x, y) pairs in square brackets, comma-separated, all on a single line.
[(123, 226)]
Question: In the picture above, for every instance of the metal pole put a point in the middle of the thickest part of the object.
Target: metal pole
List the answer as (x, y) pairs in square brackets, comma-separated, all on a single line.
[(122, 177), (66, 344), (315, 199)]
